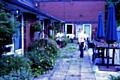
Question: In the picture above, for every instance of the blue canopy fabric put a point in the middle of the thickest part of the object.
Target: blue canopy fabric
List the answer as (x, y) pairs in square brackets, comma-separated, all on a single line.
[(111, 30), (100, 29)]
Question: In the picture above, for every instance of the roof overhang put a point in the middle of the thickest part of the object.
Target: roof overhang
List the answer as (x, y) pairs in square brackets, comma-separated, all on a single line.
[(17, 4)]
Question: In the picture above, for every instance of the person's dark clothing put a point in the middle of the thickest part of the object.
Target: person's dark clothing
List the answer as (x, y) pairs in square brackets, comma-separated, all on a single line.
[(81, 49)]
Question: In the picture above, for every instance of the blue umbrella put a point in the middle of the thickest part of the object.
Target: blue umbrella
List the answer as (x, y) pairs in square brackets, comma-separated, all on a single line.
[(100, 29), (111, 30)]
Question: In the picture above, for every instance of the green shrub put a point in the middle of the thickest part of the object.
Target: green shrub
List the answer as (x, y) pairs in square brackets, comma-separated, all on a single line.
[(23, 74), (9, 63), (7, 28), (47, 44), (51, 37), (65, 42), (42, 61), (114, 77), (36, 27), (52, 47), (42, 53)]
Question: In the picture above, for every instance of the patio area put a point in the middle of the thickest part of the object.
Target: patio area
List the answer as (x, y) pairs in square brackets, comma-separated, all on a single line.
[(71, 67)]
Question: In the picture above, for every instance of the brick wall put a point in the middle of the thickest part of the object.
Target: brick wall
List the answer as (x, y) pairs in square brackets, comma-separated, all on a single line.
[(31, 36), (28, 38), (76, 11)]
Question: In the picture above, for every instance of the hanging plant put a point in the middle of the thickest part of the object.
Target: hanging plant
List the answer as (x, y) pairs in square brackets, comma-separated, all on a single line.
[(36, 26), (58, 27), (52, 27)]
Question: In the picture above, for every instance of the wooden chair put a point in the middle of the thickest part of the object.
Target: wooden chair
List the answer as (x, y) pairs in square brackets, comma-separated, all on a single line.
[(97, 53)]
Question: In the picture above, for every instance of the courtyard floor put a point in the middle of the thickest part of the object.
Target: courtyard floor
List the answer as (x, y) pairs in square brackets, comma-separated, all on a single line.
[(71, 67)]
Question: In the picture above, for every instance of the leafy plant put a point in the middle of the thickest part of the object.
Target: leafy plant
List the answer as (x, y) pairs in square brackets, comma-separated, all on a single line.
[(23, 74), (42, 53), (52, 27), (57, 27), (36, 27), (9, 63), (8, 27), (64, 42), (41, 62), (52, 37), (114, 77), (47, 44)]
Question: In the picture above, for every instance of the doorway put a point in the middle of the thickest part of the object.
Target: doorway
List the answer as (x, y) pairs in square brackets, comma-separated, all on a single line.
[(86, 27), (69, 29)]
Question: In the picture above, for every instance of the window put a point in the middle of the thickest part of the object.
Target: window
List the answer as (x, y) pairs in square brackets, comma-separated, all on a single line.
[(69, 29), (18, 37)]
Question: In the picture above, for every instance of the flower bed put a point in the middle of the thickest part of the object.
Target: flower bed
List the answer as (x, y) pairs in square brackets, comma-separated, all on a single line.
[(42, 53)]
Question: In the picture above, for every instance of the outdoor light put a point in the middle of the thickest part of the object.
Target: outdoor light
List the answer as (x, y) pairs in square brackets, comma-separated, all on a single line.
[(37, 3), (17, 11)]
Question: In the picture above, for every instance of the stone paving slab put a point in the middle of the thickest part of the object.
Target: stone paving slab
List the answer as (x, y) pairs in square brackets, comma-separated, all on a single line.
[(75, 72), (56, 78), (87, 75), (73, 67), (85, 64), (101, 75), (86, 70), (72, 78)]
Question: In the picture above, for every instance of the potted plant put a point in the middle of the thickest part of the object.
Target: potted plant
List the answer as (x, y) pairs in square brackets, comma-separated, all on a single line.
[(36, 27)]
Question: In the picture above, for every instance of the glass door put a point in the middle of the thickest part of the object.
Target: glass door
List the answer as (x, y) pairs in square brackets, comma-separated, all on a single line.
[(87, 29), (78, 26)]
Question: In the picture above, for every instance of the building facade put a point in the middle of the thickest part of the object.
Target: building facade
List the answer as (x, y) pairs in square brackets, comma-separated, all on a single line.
[(76, 14), (26, 13)]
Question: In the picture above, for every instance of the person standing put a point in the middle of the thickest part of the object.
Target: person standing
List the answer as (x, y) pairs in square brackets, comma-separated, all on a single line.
[(86, 38), (85, 35), (59, 37), (81, 43), (72, 37)]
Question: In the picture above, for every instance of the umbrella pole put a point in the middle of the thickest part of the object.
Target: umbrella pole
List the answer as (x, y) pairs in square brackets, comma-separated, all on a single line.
[(108, 56), (118, 68)]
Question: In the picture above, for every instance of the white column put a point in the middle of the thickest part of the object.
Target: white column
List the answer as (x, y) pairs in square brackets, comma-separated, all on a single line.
[(12, 18), (12, 15), (22, 29), (43, 28), (52, 24)]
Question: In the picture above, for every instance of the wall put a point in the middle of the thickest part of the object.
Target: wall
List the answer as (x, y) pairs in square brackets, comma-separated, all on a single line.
[(76, 11), (29, 18)]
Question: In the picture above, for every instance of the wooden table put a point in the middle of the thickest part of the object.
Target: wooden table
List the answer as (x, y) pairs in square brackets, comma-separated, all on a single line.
[(104, 47)]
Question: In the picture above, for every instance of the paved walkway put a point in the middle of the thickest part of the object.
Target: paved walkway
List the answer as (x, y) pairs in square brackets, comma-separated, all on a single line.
[(71, 67), (101, 75)]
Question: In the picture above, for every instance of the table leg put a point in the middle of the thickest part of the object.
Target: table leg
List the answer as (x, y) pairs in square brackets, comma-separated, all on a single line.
[(113, 56), (103, 62), (107, 52)]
